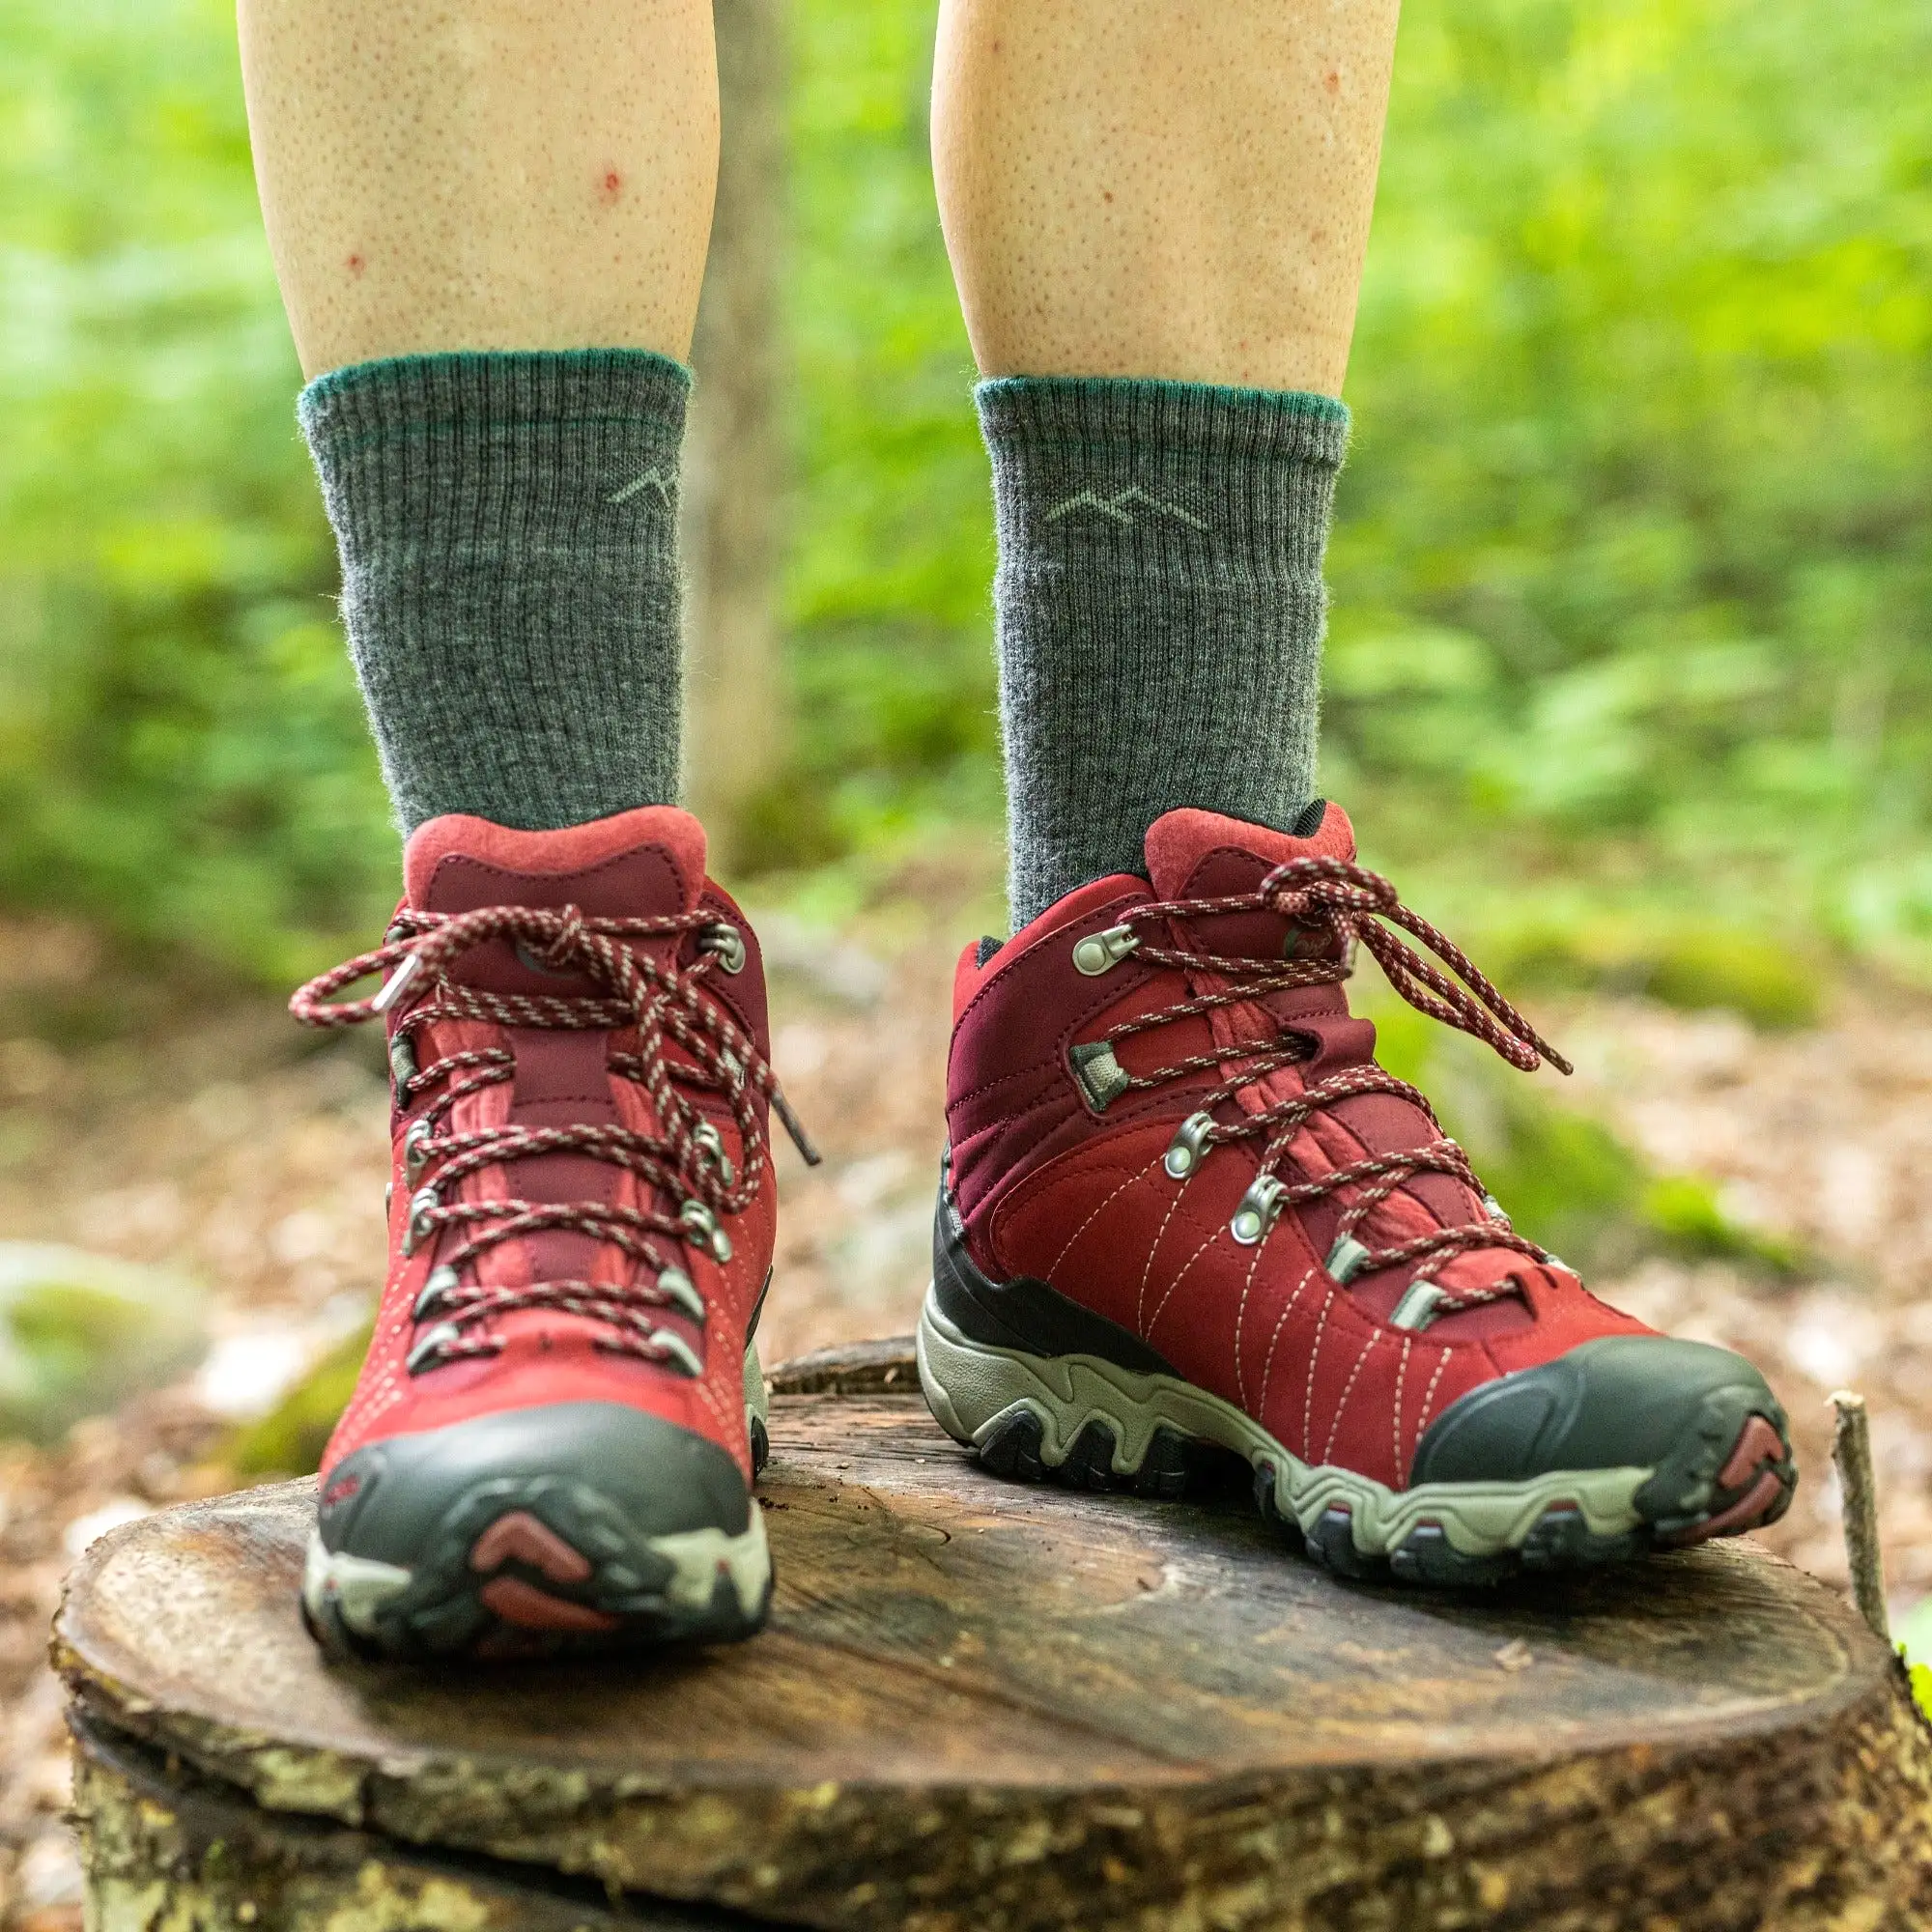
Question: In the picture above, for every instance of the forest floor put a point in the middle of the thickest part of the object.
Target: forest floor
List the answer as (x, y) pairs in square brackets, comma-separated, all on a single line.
[(148, 1123)]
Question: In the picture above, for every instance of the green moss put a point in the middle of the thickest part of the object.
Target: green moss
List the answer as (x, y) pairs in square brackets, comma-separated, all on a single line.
[(1566, 1179), (1684, 1210), (288, 1441), (1686, 963), (80, 1333), (1771, 984)]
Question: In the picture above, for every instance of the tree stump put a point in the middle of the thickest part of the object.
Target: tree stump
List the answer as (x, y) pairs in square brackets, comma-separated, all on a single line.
[(982, 1708)]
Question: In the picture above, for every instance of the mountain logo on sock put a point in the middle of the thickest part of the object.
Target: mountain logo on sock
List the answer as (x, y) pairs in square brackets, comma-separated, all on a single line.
[(1123, 507), (651, 480)]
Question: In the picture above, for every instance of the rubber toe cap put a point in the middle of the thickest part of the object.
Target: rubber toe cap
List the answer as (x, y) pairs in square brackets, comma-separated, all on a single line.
[(1678, 1408), (388, 1502)]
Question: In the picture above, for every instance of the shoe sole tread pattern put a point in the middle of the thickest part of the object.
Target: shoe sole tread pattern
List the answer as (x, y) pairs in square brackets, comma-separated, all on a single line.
[(533, 1566), (1091, 1424)]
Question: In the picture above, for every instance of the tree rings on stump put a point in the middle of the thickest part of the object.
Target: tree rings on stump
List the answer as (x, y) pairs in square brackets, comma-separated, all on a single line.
[(983, 1707)]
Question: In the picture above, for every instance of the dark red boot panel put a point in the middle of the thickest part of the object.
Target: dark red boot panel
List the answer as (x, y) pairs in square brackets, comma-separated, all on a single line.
[(1187, 1216)]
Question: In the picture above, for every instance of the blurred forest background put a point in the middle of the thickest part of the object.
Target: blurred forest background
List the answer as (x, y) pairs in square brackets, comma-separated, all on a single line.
[(1629, 684), (1632, 580)]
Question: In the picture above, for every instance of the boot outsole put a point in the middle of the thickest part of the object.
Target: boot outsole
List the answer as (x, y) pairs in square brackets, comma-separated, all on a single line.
[(1041, 1419), (535, 1562), (537, 1569)]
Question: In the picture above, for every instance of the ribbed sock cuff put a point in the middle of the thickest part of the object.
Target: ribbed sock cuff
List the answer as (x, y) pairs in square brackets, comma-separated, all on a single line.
[(507, 525), (1159, 610)]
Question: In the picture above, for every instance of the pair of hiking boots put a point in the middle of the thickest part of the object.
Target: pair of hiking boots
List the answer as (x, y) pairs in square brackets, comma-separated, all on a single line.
[(1182, 1212)]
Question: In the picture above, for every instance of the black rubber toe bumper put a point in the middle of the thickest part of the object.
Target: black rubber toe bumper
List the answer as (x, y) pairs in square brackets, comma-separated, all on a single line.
[(1701, 1418), (578, 1524)]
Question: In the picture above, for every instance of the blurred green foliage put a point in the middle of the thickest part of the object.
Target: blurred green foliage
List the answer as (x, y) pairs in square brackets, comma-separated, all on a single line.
[(288, 1441), (182, 752), (81, 1332), (1632, 575), (1563, 1177), (1638, 543), (1914, 1636), (1682, 960)]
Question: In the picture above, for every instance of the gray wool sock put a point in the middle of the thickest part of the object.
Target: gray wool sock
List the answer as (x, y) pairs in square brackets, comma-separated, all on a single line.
[(508, 531), (1159, 610)]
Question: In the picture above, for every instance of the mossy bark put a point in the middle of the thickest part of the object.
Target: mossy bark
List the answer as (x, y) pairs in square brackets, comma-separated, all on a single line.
[(167, 1851)]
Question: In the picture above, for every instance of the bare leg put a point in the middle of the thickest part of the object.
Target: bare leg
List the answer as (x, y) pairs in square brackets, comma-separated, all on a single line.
[(1161, 188), (490, 221), (533, 179), (1158, 212), (490, 174)]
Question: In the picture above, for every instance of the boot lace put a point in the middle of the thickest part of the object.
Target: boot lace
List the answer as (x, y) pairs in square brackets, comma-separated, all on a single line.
[(1332, 906), (684, 1161)]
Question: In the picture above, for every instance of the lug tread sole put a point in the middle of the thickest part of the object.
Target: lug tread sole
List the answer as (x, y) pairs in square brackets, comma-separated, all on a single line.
[(572, 1577), (1684, 1503), (576, 1578)]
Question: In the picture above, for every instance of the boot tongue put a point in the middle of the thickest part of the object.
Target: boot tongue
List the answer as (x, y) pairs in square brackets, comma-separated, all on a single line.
[(1194, 854), (637, 864), (1204, 855)]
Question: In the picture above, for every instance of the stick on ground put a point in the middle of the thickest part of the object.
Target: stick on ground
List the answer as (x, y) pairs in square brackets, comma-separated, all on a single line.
[(1851, 1451)]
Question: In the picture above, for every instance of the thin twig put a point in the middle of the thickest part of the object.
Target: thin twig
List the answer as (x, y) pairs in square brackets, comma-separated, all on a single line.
[(1851, 1451)]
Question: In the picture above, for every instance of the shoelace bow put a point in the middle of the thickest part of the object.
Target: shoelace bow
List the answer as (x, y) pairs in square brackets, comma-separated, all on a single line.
[(685, 1161), (1332, 906)]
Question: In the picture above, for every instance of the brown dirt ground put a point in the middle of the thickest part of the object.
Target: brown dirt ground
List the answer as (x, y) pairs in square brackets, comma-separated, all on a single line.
[(159, 1125)]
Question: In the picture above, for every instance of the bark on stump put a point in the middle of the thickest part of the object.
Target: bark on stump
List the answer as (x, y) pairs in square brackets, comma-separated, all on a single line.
[(982, 1708)]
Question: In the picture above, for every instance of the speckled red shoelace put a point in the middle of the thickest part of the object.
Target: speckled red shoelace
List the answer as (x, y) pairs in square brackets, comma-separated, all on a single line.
[(685, 1161), (1332, 906)]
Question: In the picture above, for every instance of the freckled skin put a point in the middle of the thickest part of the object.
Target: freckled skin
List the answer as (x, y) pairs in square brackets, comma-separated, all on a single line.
[(456, 174), (1155, 187), (1161, 188)]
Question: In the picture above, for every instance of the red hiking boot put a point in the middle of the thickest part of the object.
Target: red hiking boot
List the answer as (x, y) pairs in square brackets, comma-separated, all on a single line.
[(1183, 1210), (556, 1433)]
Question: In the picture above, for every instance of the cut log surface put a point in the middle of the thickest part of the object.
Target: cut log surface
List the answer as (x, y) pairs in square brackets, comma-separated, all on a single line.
[(982, 1707)]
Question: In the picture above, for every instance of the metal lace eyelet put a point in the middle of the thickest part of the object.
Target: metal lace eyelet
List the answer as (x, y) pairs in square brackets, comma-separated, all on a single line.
[(430, 1346), (711, 1144), (1101, 951), (1189, 1143), (388, 1198), (423, 1203), (1258, 1210), (678, 1287), (725, 943), (701, 1224), (442, 1282), (417, 1147), (1345, 1258), (668, 1342)]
